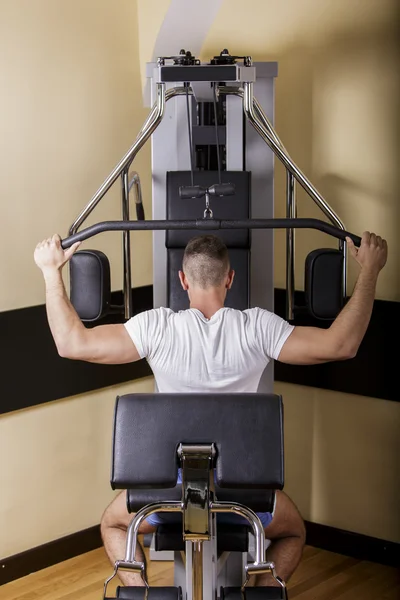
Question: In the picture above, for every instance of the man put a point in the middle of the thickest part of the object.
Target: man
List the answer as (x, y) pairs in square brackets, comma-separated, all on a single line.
[(210, 348)]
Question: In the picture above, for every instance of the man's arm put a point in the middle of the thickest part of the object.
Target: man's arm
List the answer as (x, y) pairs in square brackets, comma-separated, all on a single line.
[(312, 345), (107, 344)]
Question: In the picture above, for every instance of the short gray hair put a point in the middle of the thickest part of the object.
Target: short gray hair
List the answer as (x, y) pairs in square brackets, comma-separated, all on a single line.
[(206, 261)]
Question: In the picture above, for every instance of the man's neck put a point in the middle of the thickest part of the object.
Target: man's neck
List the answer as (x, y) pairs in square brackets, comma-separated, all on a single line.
[(207, 303)]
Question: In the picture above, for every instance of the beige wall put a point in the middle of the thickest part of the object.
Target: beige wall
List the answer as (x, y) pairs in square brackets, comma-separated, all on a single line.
[(71, 105), (342, 459), (151, 14), (337, 98), (55, 474), (71, 93)]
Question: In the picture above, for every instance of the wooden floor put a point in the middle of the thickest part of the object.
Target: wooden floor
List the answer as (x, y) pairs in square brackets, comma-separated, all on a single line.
[(321, 575)]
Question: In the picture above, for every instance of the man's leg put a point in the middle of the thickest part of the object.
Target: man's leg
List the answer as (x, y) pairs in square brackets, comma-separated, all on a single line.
[(287, 534), (114, 524)]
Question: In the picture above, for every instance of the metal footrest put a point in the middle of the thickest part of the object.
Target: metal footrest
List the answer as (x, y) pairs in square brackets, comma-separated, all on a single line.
[(253, 593), (153, 593)]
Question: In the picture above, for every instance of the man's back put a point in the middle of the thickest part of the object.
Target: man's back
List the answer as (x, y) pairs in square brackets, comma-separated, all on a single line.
[(189, 353)]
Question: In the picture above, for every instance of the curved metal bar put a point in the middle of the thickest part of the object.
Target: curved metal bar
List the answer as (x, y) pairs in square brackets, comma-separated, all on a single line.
[(248, 105), (134, 181), (290, 274), (143, 513), (267, 124), (321, 202), (209, 225), (278, 149), (237, 91), (152, 122), (252, 517), (170, 93), (127, 272)]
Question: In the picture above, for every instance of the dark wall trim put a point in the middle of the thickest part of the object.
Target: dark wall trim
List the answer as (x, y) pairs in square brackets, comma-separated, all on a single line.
[(350, 544), (355, 545), (371, 373), (32, 372), (52, 553)]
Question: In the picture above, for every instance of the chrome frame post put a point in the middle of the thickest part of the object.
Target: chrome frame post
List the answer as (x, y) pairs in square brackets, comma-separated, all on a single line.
[(260, 564), (290, 233), (134, 182), (261, 124), (197, 570), (197, 492), (127, 274), (122, 169), (152, 122), (129, 563)]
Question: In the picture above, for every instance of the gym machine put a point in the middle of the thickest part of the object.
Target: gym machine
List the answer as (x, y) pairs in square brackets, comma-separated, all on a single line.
[(183, 435), (212, 163)]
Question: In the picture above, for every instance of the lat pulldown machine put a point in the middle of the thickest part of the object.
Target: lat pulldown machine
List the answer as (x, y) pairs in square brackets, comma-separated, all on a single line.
[(212, 165)]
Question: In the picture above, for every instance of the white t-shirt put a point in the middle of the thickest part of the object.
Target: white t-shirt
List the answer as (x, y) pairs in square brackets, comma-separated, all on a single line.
[(189, 353)]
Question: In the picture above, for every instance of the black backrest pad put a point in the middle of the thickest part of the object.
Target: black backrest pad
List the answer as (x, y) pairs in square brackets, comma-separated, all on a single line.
[(237, 241), (247, 430), (227, 207)]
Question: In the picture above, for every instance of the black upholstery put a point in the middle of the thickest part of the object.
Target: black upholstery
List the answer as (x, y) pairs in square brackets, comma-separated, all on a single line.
[(90, 284), (246, 429), (254, 593), (237, 297), (230, 538), (323, 284), (155, 593), (238, 241), (257, 500)]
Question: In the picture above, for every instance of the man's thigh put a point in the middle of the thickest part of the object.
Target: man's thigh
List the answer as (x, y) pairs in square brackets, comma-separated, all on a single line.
[(117, 515)]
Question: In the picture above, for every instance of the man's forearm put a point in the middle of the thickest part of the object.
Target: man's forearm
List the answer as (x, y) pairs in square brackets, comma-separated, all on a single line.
[(65, 324), (351, 324)]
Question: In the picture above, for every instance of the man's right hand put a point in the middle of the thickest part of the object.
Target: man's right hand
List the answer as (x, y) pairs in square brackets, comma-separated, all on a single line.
[(372, 253), (50, 256)]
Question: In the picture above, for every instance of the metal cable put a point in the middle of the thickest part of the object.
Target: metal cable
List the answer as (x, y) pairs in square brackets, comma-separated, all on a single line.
[(216, 132), (190, 135)]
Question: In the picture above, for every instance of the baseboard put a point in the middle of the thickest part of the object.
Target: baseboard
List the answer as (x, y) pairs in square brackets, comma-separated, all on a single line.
[(355, 545), (52, 553)]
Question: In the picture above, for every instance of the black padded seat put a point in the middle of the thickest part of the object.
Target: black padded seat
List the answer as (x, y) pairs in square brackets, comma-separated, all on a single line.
[(230, 538), (155, 593), (254, 593), (246, 431)]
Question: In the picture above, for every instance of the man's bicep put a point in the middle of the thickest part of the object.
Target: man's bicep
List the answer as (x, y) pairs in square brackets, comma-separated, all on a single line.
[(306, 346), (111, 344)]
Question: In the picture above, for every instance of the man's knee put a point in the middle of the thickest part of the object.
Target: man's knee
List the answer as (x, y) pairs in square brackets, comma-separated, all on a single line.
[(287, 520), (115, 515)]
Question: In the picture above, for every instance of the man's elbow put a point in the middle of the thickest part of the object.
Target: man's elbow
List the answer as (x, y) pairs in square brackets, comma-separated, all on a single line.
[(346, 351), (68, 350)]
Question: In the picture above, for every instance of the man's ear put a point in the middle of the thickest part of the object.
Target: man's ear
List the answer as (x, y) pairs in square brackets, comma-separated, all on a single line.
[(229, 282), (182, 279)]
